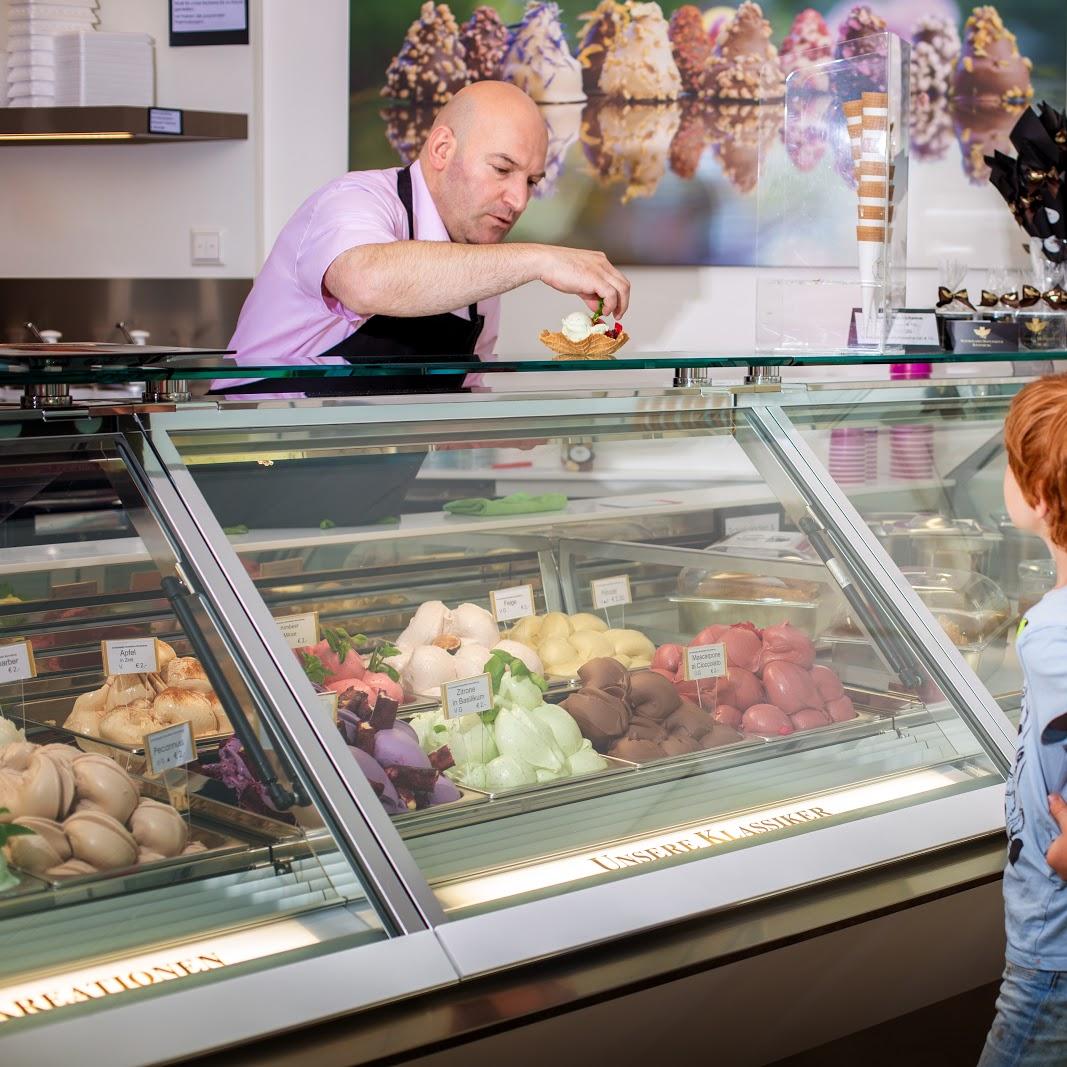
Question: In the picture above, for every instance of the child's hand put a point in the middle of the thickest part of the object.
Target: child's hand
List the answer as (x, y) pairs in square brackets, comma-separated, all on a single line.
[(1056, 857)]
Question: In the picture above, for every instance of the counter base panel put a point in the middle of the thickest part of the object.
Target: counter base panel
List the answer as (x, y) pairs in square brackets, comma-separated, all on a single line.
[(744, 988)]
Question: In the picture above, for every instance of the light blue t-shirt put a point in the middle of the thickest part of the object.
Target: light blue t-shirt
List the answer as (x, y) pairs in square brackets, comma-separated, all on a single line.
[(1035, 897)]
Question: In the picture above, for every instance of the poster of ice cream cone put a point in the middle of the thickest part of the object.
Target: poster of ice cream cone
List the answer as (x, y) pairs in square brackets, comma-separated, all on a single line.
[(661, 115)]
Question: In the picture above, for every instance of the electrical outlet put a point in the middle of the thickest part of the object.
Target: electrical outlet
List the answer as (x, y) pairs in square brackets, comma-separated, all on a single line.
[(205, 247)]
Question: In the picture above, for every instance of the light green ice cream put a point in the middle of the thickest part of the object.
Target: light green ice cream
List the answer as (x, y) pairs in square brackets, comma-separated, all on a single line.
[(530, 742)]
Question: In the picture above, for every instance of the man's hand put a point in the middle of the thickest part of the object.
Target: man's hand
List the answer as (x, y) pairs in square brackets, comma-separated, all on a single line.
[(1056, 857), (589, 275)]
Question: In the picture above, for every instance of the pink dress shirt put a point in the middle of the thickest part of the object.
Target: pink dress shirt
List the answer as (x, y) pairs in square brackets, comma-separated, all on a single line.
[(287, 318)]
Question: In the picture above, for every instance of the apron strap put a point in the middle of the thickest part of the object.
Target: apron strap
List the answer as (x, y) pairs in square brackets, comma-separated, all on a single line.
[(403, 190)]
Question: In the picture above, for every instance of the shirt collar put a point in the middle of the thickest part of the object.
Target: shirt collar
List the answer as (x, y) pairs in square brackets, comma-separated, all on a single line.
[(428, 224)]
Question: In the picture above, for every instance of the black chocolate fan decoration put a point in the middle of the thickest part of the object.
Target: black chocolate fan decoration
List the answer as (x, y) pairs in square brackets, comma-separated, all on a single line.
[(1032, 183)]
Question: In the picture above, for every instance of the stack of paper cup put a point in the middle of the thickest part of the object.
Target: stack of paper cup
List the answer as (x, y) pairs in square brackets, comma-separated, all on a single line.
[(870, 437), (911, 452), (32, 27), (848, 458)]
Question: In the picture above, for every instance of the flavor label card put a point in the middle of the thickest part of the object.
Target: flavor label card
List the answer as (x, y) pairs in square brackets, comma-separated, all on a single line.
[(779, 540), (16, 661), (515, 602), (467, 696), (705, 661), (611, 592), (171, 747), (71, 590), (768, 520), (281, 568), (130, 657), (912, 329), (299, 631), (329, 703)]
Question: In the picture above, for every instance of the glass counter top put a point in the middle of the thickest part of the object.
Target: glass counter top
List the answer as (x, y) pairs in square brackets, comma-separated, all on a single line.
[(22, 365)]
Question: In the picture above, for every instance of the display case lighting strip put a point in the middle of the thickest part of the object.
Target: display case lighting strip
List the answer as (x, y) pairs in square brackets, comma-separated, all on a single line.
[(96, 135), (168, 964), (686, 839)]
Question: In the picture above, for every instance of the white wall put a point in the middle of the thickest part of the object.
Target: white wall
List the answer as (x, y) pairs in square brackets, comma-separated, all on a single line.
[(126, 210)]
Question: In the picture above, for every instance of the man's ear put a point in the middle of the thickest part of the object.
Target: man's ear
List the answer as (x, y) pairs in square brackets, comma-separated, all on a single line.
[(439, 147)]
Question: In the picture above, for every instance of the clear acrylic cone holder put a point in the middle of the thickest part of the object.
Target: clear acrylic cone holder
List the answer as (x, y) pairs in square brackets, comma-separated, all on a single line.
[(832, 226)]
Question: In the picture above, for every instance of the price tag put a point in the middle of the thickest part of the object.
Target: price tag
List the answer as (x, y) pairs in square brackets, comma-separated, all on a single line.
[(144, 582), (467, 696), (282, 568), (173, 746), (765, 521), (130, 657), (300, 631), (329, 702), (514, 603), (166, 120), (611, 592), (16, 661), (777, 540), (705, 661), (70, 590)]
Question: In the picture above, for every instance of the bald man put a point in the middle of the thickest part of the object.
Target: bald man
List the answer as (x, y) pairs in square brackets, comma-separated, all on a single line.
[(408, 262)]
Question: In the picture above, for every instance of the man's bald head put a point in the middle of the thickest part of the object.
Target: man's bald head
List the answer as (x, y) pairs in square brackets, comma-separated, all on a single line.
[(483, 156), (491, 102)]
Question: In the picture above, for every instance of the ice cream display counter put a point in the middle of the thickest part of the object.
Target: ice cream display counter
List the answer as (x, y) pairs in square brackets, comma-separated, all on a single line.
[(305, 714)]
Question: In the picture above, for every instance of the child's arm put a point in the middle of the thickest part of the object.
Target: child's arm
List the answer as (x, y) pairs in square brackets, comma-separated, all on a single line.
[(1056, 857)]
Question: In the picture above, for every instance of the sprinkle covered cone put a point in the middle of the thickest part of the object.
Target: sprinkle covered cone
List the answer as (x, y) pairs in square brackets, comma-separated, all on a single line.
[(595, 346)]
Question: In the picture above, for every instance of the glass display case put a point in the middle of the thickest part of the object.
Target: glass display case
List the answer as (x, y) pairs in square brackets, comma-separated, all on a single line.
[(926, 474), (161, 826), (461, 670)]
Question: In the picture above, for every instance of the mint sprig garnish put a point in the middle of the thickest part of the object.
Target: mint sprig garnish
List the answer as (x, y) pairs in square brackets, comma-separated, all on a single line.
[(599, 311), (500, 663), (376, 664), (314, 668)]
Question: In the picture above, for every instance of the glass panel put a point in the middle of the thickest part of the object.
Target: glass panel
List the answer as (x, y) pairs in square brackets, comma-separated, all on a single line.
[(928, 478), (26, 365), (155, 851), (432, 551)]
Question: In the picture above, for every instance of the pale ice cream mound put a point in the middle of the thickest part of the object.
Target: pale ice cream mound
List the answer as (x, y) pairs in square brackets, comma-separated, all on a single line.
[(640, 64), (529, 743), (577, 326), (10, 734), (635, 143), (539, 60)]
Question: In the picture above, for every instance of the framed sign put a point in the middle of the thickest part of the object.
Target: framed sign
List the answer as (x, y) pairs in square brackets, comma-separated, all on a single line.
[(197, 22)]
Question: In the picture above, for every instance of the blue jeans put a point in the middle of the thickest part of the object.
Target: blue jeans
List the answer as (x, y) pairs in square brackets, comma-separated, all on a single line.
[(1030, 1028)]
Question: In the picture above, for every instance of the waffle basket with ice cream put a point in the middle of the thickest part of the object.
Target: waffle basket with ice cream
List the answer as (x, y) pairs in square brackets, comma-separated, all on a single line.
[(585, 336)]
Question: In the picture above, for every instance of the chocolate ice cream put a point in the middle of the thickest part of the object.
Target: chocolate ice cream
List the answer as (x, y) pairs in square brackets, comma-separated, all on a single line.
[(485, 41), (430, 67), (990, 68)]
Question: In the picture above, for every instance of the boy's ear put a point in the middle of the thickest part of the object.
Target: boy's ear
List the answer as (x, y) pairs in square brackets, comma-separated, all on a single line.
[(1040, 508)]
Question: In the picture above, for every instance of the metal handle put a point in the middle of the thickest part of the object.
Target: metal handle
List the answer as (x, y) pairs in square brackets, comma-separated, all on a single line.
[(899, 660), (179, 596)]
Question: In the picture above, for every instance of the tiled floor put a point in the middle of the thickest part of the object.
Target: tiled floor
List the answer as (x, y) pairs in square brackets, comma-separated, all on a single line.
[(949, 1034)]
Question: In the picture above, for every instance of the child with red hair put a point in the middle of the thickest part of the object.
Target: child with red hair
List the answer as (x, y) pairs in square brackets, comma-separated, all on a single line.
[(1031, 1023)]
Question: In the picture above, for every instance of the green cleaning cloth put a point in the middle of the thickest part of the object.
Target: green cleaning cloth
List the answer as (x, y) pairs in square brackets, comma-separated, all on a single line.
[(516, 504)]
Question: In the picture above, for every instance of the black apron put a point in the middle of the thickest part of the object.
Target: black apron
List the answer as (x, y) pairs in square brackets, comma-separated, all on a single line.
[(430, 338), (346, 490)]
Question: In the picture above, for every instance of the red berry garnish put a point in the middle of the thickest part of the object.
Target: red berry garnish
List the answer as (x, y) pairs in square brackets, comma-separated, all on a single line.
[(616, 329)]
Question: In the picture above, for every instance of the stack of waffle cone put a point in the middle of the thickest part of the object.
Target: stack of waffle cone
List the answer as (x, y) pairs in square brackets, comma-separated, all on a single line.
[(868, 129), (595, 346)]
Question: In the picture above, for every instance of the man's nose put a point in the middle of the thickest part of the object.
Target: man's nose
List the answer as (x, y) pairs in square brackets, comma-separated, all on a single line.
[(517, 194)]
